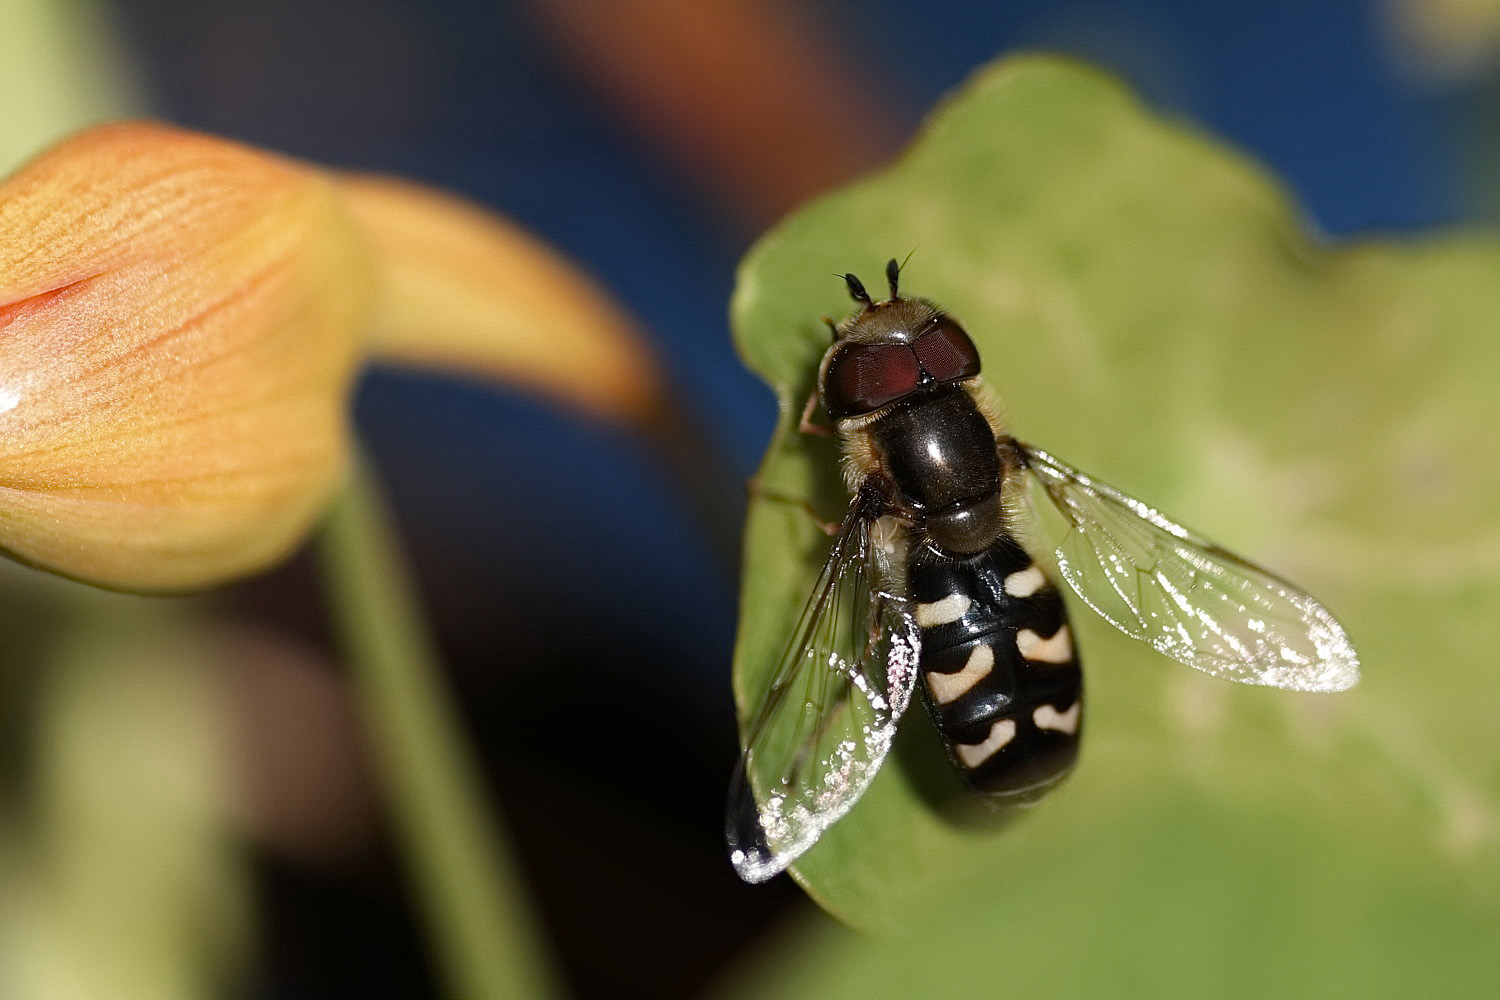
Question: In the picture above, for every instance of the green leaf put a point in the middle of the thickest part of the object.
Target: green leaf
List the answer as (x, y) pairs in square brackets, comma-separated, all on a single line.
[(1147, 907), (1150, 308)]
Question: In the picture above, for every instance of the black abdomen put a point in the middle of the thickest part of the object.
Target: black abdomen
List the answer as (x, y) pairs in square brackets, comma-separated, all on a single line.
[(999, 669)]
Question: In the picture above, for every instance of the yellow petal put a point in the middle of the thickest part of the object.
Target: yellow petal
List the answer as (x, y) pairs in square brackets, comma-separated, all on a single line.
[(462, 290), (1450, 40), (178, 332)]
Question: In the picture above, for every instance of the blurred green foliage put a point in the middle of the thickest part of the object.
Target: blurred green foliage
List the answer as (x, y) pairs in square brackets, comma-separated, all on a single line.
[(1151, 308), (117, 873), (60, 70)]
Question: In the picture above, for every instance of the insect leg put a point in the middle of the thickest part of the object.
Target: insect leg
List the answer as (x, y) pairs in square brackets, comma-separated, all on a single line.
[(806, 425), (758, 492)]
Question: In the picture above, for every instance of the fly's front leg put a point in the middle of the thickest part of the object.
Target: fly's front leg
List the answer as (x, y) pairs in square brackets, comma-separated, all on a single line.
[(806, 425), (758, 492)]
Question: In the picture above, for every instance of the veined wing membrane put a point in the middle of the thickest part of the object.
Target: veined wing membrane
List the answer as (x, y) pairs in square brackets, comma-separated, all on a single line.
[(828, 718), (1158, 582)]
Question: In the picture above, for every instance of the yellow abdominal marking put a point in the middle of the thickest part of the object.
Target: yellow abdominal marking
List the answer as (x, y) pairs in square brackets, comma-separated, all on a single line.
[(974, 754), (1058, 649), (950, 609), (1047, 717), (1025, 582), (946, 688)]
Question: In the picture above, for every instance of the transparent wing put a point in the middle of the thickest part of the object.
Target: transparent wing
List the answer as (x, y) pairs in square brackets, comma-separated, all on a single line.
[(828, 718), (1158, 582)]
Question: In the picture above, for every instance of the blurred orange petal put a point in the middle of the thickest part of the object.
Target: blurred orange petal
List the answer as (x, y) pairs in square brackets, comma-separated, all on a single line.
[(754, 98), (178, 333), (460, 289)]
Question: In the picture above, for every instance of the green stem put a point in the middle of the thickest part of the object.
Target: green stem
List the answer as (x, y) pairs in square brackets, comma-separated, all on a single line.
[(486, 942)]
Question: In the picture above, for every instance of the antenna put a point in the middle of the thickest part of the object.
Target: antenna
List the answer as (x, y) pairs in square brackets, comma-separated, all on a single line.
[(857, 290)]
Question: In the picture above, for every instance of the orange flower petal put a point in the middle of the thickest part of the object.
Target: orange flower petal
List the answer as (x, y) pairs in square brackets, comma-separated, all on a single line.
[(178, 333), (461, 289)]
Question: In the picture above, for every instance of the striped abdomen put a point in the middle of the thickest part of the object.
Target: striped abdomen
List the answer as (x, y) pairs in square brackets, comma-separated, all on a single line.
[(1000, 673)]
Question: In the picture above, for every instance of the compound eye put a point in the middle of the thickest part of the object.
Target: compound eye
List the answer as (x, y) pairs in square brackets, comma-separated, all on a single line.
[(865, 377), (947, 352)]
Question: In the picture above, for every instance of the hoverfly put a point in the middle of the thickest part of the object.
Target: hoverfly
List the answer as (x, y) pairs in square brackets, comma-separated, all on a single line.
[(926, 581)]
